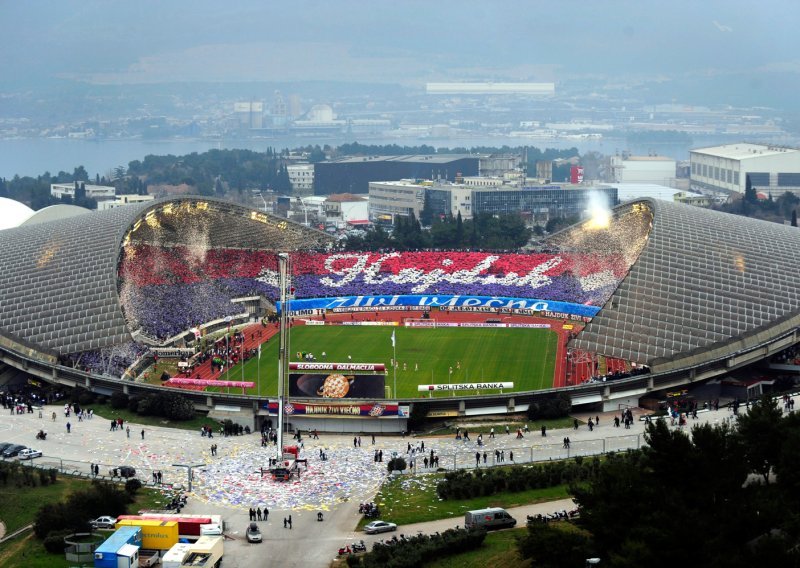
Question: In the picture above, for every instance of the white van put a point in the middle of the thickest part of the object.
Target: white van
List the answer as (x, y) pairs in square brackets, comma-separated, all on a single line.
[(491, 518)]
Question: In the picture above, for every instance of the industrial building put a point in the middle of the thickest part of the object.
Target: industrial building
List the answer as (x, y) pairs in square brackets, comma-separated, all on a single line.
[(725, 169), (489, 88), (353, 174), (659, 170)]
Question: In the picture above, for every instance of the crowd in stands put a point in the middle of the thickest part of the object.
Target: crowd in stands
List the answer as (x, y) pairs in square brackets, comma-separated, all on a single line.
[(616, 375), (789, 356), (111, 361), (167, 290)]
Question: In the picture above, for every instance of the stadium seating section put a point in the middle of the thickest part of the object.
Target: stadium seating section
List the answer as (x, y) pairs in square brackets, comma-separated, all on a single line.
[(167, 290)]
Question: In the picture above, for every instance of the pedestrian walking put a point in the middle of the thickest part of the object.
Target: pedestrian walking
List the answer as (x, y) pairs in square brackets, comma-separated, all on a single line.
[(266, 514), (252, 514), (142, 433), (575, 423), (69, 427), (544, 430), (258, 513), (290, 522), (128, 431), (284, 522)]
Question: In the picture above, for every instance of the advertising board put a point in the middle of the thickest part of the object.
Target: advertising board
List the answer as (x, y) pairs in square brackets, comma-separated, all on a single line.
[(336, 385)]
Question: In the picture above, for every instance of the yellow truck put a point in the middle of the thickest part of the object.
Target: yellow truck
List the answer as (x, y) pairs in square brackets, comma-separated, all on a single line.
[(156, 535)]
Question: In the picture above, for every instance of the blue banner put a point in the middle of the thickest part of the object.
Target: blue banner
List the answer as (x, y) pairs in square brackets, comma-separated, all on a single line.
[(444, 301)]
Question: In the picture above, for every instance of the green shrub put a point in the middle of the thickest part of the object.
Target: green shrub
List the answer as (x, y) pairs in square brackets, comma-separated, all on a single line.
[(119, 400), (54, 541), (132, 485), (133, 403), (177, 407), (397, 464), (86, 398)]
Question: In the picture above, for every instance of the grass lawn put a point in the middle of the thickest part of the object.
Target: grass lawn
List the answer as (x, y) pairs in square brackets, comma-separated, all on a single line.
[(413, 499), (499, 550), (523, 356), (18, 507), (105, 411)]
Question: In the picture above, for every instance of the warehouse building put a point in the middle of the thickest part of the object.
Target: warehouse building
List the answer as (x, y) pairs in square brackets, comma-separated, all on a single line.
[(725, 169)]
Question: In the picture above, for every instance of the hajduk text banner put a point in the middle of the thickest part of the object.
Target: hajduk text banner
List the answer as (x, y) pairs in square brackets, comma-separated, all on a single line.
[(442, 301)]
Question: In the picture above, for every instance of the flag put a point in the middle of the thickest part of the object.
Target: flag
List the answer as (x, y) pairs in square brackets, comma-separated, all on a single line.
[(393, 339)]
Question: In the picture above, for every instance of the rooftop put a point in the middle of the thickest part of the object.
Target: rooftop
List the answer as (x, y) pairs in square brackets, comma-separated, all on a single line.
[(744, 150), (433, 159)]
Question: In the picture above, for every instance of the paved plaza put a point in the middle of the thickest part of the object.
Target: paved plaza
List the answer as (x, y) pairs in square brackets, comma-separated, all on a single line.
[(231, 482)]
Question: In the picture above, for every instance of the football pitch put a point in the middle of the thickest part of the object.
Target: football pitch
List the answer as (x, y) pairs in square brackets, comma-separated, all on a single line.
[(524, 356)]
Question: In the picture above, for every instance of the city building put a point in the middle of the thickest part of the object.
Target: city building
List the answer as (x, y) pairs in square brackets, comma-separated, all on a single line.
[(301, 176), (388, 199), (123, 200), (346, 209), (725, 169), (537, 203), (658, 170), (498, 165), (98, 192), (353, 174)]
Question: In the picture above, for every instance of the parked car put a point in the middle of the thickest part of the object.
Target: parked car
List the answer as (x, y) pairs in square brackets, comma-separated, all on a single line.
[(253, 533), (376, 527), (12, 450), (29, 453), (104, 522), (491, 518), (4, 446), (123, 471)]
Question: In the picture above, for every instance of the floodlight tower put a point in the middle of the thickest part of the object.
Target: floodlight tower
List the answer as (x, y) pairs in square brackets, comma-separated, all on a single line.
[(283, 361)]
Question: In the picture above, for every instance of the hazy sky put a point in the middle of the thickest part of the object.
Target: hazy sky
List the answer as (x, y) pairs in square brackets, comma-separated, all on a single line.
[(407, 42)]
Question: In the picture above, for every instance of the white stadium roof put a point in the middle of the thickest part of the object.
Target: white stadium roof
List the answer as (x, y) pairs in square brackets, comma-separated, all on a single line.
[(13, 213)]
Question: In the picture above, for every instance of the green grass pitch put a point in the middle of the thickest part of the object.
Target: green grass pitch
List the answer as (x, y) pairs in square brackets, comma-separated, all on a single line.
[(523, 356)]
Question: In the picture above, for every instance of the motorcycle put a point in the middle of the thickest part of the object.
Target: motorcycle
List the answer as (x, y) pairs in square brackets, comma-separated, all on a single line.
[(345, 551), (359, 546)]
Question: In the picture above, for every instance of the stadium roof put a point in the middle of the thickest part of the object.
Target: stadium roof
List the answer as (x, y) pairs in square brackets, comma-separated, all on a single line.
[(703, 279), (58, 281), (13, 213)]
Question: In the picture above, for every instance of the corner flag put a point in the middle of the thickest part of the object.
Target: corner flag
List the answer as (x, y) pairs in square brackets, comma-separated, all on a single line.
[(393, 339)]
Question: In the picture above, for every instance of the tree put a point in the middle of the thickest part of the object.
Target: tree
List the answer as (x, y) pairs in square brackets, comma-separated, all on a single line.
[(750, 194), (555, 545), (794, 217), (459, 237), (762, 432)]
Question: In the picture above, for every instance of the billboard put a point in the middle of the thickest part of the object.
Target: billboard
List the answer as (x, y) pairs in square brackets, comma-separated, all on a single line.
[(324, 410), (336, 385), (576, 174)]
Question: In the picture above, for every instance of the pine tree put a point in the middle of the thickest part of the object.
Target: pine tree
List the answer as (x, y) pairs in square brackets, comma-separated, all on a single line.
[(794, 218)]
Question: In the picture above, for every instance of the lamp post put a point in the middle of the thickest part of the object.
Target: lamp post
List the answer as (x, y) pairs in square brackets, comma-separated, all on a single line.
[(189, 472), (264, 200)]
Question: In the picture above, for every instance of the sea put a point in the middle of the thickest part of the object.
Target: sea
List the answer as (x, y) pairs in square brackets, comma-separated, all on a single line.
[(35, 156)]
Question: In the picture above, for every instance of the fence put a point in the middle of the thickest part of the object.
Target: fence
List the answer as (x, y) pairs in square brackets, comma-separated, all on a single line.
[(473, 457)]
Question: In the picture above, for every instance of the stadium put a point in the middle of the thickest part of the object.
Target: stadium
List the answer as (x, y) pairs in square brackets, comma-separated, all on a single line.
[(183, 293)]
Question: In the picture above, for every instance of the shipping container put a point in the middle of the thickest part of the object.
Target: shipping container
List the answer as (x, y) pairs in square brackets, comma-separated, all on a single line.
[(120, 550), (187, 526), (156, 535)]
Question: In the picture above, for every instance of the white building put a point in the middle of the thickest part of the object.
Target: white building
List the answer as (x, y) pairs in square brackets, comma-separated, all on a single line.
[(301, 177), (387, 199), (724, 169), (123, 200), (342, 209), (98, 192), (658, 170)]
